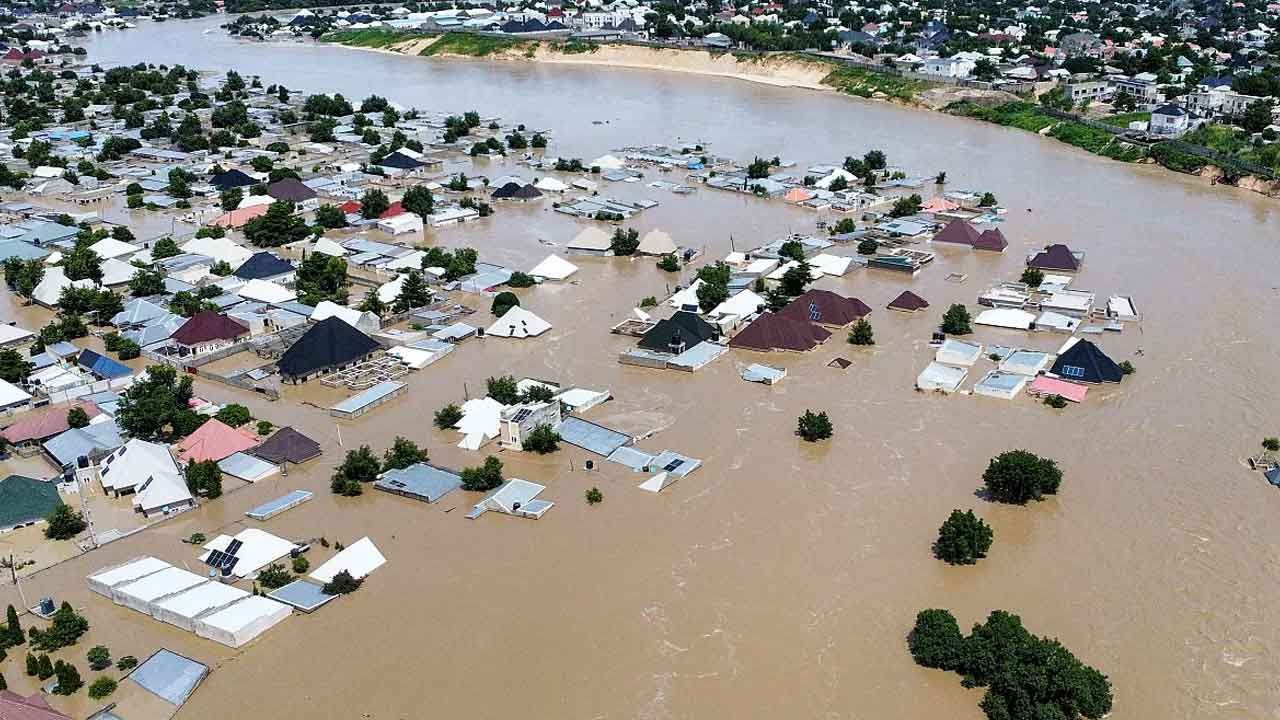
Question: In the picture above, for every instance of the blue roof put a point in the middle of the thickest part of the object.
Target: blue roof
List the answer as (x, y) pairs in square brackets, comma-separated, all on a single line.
[(421, 481), (103, 367), (369, 397), (170, 676), (263, 265), (284, 502), (591, 437), (20, 249), (301, 594)]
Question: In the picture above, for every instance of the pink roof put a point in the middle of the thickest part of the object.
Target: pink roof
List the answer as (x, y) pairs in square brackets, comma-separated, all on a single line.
[(45, 424), (940, 204), (798, 195), (15, 707), (237, 218), (1052, 386), (215, 440)]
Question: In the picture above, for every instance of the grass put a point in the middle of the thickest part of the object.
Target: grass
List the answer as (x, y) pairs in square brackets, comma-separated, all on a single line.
[(370, 38), (575, 47), (1123, 119), (866, 83), (1022, 115), (473, 45)]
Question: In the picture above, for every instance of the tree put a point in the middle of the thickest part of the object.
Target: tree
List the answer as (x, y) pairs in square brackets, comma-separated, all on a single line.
[(165, 247), (861, 334), (542, 440), (483, 478), (956, 320), (1257, 116), (537, 393), (448, 416), (502, 302), (360, 466), (77, 417), (342, 584), (64, 630), (1124, 102), (1127, 368), (14, 368), (322, 277), (230, 198), (13, 635), (22, 276), (264, 428), (936, 641), (503, 389), (711, 294), (796, 278), (1032, 277), (1019, 476), (814, 426), (146, 283), (44, 667), (68, 678), (963, 539), (301, 565), (277, 226), (594, 496), (221, 268), (904, 206), (33, 665), (987, 200), (234, 414), (81, 263), (373, 303), (179, 184), (875, 160), (373, 203), (3, 684), (625, 242), (792, 250), (274, 576), (414, 292), (99, 657), (758, 169), (128, 662), (402, 453), (867, 246), (330, 216), (1057, 99), (1271, 444), (668, 263), (155, 406), (204, 478), (102, 687), (63, 523)]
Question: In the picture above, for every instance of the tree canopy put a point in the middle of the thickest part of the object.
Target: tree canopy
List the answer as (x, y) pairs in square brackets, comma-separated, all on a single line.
[(402, 453), (279, 225), (155, 406), (359, 466), (1019, 476), (963, 539), (483, 478)]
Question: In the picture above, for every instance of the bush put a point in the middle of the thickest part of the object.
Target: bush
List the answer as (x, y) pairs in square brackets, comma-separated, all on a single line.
[(102, 687), (504, 389), (64, 523), (234, 414), (521, 280), (861, 334), (68, 678), (1271, 444), (1127, 368), (33, 665), (77, 417), (301, 565), (814, 426), (448, 416), (359, 466), (669, 263), (483, 478), (935, 641), (963, 539), (503, 302), (264, 427), (542, 440), (1019, 476), (594, 496), (129, 349), (1032, 277), (868, 247), (1055, 401), (956, 321), (128, 662), (274, 576), (99, 657), (44, 667), (342, 584)]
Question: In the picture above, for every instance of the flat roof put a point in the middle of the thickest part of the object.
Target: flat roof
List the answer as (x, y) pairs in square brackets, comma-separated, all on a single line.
[(592, 437), (302, 595), (421, 480), (280, 504), (378, 392), (169, 676)]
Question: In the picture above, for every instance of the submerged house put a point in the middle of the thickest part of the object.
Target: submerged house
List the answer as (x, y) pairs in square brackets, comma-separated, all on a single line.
[(329, 345), (1056, 258), (1085, 362), (515, 497), (908, 302), (825, 308), (772, 331), (207, 331), (24, 501), (678, 333), (149, 471)]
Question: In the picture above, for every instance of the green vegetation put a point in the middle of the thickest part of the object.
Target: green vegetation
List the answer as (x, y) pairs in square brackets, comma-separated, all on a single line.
[(575, 47), (963, 539), (128, 662), (369, 37), (956, 321), (342, 584), (868, 83), (861, 333), (814, 426), (204, 478), (402, 453), (594, 496), (1019, 476), (68, 678), (1123, 119), (274, 576), (99, 657), (359, 466), (502, 302), (1127, 368), (448, 416), (234, 414), (1056, 402), (542, 440), (301, 565), (1025, 676), (1032, 277), (64, 630), (484, 478), (64, 523), (102, 687), (473, 45)]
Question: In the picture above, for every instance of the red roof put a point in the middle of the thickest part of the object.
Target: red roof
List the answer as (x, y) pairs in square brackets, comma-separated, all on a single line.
[(957, 232), (215, 440), (349, 207), (44, 424), (206, 326), (909, 302), (825, 308), (992, 240), (772, 331), (395, 209), (15, 707)]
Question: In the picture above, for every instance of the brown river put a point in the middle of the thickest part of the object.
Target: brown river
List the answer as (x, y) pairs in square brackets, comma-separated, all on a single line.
[(781, 578)]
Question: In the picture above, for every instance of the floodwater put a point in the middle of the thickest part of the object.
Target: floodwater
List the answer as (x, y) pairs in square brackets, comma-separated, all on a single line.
[(781, 578)]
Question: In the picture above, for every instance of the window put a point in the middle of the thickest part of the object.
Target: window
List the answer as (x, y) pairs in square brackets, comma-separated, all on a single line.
[(1073, 371)]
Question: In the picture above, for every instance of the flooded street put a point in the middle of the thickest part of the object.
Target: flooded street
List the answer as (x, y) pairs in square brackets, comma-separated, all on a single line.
[(780, 579)]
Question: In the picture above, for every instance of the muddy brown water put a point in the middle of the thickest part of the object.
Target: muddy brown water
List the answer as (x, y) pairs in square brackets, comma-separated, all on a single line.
[(780, 579)]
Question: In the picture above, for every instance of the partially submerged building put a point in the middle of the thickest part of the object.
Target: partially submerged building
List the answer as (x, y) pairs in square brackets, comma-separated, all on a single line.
[(329, 345)]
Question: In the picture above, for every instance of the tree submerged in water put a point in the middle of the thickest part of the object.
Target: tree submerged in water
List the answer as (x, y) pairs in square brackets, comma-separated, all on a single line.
[(963, 539), (342, 584), (1019, 476), (814, 426)]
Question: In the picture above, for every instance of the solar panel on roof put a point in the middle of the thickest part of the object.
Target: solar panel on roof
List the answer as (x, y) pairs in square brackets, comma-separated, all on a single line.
[(673, 465), (234, 546), (522, 414), (814, 314), (215, 559)]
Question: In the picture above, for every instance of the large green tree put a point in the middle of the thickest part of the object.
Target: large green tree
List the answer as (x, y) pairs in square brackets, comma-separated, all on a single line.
[(1019, 476), (155, 406), (359, 466), (963, 539), (279, 225)]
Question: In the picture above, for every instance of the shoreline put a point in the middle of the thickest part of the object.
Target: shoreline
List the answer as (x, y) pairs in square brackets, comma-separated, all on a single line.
[(782, 70)]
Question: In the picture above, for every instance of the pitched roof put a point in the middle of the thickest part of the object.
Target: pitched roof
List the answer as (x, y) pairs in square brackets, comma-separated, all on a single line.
[(772, 331), (1084, 362), (908, 301), (287, 444), (992, 240), (329, 343), (291, 190), (957, 232), (215, 440), (683, 327), (208, 325), (22, 500), (15, 707), (400, 161), (825, 308), (45, 424), (102, 366), (1055, 257), (231, 179), (263, 265)]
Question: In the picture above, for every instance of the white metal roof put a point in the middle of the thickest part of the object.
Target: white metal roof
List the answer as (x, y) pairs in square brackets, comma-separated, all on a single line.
[(259, 549), (360, 558)]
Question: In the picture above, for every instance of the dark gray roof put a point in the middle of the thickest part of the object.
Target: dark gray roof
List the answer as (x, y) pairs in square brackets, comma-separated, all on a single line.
[(287, 444), (328, 344), (263, 265), (421, 481)]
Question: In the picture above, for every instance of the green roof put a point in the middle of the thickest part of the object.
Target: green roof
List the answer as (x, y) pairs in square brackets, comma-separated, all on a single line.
[(23, 499)]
